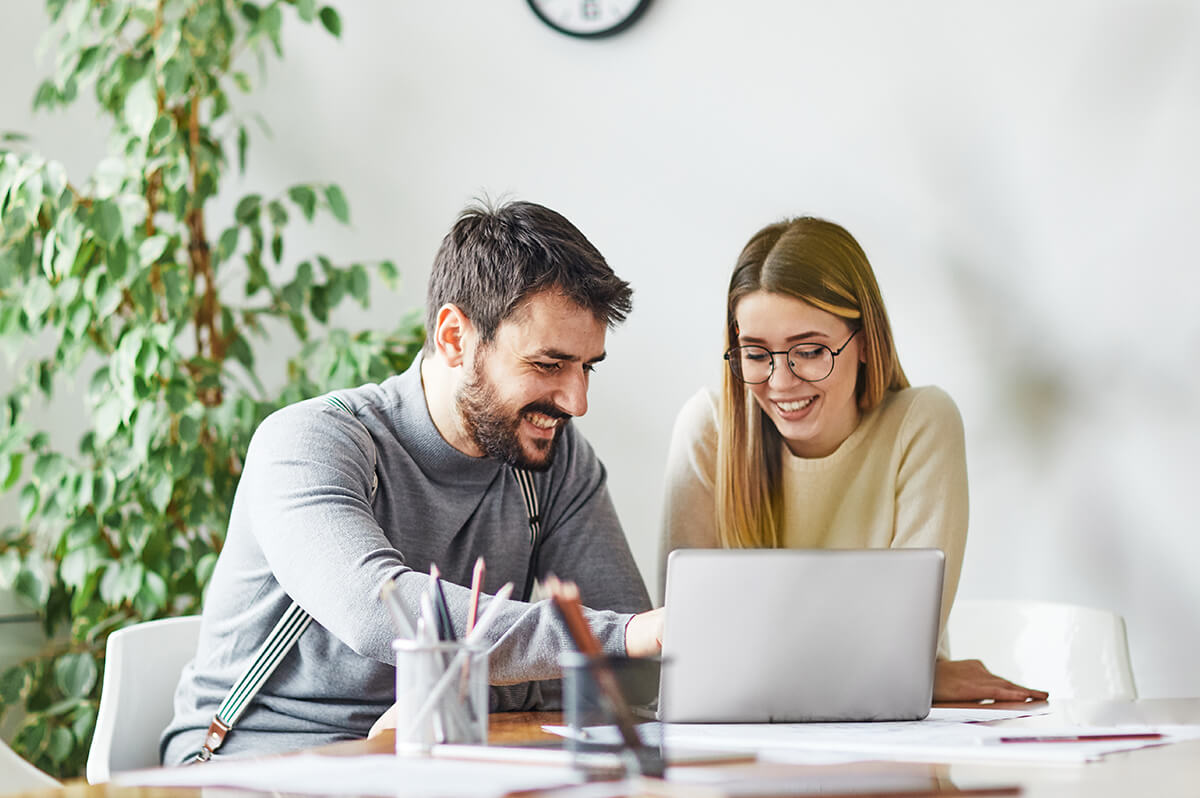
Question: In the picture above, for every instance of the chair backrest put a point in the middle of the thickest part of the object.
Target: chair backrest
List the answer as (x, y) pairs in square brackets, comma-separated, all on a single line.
[(1068, 650), (142, 664), (17, 775)]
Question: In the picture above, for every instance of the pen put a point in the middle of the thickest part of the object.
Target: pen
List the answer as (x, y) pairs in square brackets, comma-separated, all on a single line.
[(1081, 738), (445, 627)]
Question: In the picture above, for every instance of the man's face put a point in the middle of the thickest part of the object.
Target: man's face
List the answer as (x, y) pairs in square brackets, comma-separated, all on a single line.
[(530, 380)]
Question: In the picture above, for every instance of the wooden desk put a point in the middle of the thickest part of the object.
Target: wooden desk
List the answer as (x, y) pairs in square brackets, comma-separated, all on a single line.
[(1169, 771)]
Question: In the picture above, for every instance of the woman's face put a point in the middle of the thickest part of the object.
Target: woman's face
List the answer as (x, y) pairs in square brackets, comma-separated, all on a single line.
[(813, 417)]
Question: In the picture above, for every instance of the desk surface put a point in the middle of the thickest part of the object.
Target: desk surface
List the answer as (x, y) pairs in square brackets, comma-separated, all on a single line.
[(1162, 771)]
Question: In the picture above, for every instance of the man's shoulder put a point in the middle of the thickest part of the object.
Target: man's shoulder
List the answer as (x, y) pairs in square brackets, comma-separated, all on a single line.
[(337, 415)]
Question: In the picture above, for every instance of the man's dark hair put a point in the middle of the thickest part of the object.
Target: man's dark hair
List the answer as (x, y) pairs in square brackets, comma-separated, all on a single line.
[(494, 258)]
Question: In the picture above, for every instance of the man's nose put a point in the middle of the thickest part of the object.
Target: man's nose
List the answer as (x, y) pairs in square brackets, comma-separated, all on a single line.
[(572, 393)]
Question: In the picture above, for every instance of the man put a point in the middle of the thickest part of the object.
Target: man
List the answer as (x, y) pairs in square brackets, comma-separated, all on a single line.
[(345, 493)]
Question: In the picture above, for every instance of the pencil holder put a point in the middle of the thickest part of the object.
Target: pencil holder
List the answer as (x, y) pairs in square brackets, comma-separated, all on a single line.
[(585, 706), (441, 695)]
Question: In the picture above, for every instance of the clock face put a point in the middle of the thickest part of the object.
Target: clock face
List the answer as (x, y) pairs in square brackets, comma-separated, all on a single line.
[(588, 18)]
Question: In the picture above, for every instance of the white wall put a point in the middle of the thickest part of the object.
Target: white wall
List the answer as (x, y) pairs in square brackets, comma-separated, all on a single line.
[(1024, 177)]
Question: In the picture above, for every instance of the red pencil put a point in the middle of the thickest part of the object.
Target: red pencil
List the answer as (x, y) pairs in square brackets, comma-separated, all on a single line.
[(476, 588), (1081, 738)]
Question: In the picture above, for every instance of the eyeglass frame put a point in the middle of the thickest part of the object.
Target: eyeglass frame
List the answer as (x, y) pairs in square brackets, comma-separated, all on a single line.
[(832, 363)]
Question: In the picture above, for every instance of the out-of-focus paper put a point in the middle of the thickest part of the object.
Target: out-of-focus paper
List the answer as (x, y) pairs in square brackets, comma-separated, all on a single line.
[(376, 774)]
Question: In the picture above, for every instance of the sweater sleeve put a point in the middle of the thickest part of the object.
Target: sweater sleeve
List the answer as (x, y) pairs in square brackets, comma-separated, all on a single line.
[(306, 489), (689, 506), (931, 488)]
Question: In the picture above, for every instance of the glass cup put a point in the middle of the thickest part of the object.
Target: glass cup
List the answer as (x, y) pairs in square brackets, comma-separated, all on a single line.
[(585, 707), (441, 695)]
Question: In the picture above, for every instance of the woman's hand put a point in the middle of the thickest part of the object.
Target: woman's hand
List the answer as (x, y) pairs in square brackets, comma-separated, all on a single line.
[(969, 680), (643, 634)]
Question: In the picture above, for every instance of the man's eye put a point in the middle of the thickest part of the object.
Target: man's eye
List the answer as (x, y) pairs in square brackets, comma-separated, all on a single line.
[(550, 367), (589, 368)]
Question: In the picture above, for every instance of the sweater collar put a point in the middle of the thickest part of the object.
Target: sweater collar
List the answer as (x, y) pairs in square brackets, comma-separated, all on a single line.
[(414, 428)]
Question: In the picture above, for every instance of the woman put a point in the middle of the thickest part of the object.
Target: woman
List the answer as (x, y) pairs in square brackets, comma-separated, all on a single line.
[(817, 440)]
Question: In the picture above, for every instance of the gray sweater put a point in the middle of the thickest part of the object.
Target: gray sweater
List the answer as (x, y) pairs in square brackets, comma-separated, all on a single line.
[(304, 527)]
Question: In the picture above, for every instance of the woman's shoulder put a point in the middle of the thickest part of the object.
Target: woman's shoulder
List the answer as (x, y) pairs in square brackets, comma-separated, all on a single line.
[(699, 413), (694, 434), (925, 399), (926, 407)]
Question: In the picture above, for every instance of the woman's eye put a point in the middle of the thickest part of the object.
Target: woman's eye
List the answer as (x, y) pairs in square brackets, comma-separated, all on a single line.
[(807, 352)]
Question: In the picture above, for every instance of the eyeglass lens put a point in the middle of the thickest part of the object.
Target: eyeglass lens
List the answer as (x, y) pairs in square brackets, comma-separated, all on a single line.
[(754, 364)]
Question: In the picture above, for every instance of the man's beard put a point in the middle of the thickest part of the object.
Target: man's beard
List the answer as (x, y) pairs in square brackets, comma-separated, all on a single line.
[(497, 432)]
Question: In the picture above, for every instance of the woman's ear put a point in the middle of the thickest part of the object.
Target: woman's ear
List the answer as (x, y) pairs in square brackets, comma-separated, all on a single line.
[(451, 334)]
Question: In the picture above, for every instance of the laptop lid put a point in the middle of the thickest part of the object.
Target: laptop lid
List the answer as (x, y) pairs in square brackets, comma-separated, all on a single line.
[(790, 635)]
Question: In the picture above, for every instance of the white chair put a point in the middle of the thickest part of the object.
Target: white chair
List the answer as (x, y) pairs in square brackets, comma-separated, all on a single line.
[(1068, 650), (17, 775), (142, 664)]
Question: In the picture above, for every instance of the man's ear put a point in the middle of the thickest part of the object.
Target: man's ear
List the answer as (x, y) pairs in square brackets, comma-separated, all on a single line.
[(451, 334)]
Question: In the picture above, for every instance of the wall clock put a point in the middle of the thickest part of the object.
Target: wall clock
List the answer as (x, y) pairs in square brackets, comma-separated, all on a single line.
[(589, 19)]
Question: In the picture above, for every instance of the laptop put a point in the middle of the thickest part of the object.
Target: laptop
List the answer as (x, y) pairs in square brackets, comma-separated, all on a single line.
[(795, 635)]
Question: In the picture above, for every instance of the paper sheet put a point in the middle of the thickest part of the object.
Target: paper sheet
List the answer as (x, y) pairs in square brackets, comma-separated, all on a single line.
[(378, 774), (947, 735), (650, 731), (915, 741)]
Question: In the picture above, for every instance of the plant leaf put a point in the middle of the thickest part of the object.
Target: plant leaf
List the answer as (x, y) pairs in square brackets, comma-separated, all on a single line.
[(75, 674), (38, 298), (141, 107), (305, 198), (337, 203), (331, 20), (248, 208), (60, 744), (390, 274)]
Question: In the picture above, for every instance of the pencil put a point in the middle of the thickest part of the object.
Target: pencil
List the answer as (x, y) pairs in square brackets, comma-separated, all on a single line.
[(476, 588), (565, 596), (1082, 738)]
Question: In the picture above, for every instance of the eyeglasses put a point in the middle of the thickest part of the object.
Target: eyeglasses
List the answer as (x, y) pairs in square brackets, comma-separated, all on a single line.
[(809, 362)]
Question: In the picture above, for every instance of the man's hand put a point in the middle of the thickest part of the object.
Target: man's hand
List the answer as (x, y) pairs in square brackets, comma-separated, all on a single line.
[(644, 632), (969, 680)]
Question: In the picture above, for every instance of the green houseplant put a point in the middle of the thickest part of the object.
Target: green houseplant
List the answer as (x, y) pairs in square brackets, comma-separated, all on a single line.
[(125, 285)]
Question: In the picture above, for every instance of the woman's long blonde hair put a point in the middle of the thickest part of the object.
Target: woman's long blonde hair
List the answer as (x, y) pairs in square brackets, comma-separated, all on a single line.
[(820, 263)]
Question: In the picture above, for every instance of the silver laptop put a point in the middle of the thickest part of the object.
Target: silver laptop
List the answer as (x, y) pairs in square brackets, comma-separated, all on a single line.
[(792, 635)]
